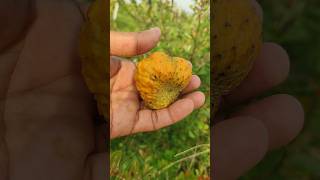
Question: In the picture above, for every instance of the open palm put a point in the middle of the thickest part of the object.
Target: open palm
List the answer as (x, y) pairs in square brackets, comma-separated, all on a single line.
[(128, 115), (47, 125)]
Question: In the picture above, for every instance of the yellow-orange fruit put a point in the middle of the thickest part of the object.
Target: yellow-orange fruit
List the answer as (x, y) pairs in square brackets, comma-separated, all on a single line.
[(161, 78), (236, 41), (93, 53)]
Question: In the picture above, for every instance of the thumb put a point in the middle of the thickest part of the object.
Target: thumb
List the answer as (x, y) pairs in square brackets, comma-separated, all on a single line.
[(133, 43)]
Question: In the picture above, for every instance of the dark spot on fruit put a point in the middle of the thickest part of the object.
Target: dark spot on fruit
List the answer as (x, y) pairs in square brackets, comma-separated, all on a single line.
[(215, 37), (227, 24), (218, 57)]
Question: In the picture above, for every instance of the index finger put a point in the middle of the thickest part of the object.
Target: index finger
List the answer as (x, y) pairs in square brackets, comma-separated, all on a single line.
[(130, 43), (133, 43)]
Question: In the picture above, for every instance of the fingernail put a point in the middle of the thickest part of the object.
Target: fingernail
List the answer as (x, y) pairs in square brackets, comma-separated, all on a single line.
[(155, 30)]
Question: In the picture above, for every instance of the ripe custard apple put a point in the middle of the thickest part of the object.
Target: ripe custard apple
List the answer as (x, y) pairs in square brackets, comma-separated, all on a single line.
[(93, 54), (236, 42), (160, 79)]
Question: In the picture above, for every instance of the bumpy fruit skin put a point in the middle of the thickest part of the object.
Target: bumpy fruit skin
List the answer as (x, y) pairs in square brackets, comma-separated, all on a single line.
[(93, 54), (160, 79), (236, 42)]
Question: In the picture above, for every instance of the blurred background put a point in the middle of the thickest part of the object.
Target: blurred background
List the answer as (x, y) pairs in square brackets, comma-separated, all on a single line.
[(182, 150), (295, 24)]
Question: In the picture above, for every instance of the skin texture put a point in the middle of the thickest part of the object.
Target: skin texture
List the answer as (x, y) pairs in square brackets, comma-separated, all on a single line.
[(242, 138), (47, 112), (127, 112), (11, 31)]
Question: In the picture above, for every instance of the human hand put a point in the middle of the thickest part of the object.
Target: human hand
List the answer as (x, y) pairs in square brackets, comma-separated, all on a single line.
[(241, 139), (47, 128), (127, 113)]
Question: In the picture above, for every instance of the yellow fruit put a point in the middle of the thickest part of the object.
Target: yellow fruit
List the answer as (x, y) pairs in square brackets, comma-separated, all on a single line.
[(93, 54), (161, 78), (236, 42)]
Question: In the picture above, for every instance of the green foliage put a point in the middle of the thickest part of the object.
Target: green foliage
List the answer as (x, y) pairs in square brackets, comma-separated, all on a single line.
[(295, 25), (154, 155)]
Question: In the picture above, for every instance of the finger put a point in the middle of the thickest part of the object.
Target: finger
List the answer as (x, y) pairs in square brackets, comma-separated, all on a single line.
[(238, 145), (195, 83), (133, 43), (197, 97), (150, 120), (270, 69), (282, 115)]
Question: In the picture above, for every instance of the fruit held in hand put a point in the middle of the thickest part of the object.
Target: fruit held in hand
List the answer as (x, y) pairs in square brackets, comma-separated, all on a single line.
[(236, 42), (93, 53), (161, 78)]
